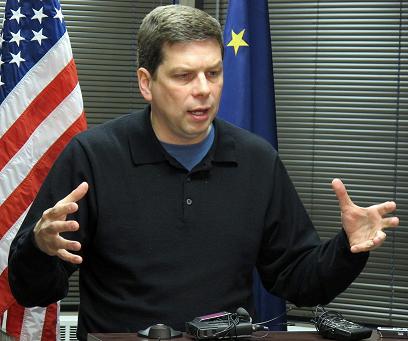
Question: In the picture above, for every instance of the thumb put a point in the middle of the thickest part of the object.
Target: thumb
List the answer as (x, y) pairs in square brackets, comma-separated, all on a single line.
[(341, 194)]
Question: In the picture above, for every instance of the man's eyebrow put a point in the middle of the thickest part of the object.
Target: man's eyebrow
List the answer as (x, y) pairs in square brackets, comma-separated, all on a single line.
[(186, 68), (216, 65)]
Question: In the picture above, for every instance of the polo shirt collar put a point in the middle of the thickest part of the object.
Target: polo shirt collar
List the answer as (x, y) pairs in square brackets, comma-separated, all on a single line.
[(144, 146), (224, 148), (151, 151)]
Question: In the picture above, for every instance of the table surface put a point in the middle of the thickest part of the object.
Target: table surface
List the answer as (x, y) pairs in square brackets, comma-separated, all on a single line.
[(271, 336)]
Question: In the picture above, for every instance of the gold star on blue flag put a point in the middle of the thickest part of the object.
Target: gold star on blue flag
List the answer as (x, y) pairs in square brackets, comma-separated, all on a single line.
[(237, 40)]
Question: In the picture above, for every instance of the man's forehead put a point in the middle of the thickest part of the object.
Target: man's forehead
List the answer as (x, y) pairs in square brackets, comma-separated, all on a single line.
[(192, 48), (184, 45)]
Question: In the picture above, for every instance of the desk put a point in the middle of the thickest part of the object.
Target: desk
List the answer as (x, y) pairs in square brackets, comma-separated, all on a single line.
[(272, 336)]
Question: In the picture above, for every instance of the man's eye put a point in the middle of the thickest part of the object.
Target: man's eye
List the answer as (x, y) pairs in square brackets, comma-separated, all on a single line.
[(183, 76), (213, 74)]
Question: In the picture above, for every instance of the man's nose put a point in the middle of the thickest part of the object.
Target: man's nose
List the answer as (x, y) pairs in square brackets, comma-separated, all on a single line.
[(201, 86)]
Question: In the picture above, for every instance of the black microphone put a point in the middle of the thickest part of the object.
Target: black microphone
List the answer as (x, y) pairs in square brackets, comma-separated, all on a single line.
[(224, 326), (241, 312), (244, 329)]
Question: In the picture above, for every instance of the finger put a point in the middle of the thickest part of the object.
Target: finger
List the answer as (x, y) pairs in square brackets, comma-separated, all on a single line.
[(386, 207), (67, 244), (363, 247), (390, 222), (62, 226), (77, 194), (370, 244), (379, 238), (53, 245), (60, 211), (62, 243), (341, 193), (69, 257)]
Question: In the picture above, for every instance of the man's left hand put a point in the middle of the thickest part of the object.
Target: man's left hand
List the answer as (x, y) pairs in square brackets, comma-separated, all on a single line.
[(364, 226)]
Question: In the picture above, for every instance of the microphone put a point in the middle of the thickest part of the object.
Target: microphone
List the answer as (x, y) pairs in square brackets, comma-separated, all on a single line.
[(224, 326), (241, 312)]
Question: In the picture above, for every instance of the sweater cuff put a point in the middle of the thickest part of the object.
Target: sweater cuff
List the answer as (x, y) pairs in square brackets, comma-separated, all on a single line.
[(30, 250)]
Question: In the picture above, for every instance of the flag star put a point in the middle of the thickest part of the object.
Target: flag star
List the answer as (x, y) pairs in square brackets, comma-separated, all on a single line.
[(39, 15), (237, 41), (1, 83), (17, 15), (16, 38), (59, 14), (17, 59), (1, 40), (1, 61), (38, 36)]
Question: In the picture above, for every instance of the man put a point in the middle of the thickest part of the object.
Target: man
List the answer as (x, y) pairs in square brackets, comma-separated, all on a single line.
[(172, 208)]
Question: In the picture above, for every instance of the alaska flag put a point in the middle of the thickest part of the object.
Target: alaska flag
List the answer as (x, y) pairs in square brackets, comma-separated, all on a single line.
[(248, 102)]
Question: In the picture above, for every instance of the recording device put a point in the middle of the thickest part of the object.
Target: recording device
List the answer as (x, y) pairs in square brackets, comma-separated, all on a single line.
[(332, 325), (223, 325)]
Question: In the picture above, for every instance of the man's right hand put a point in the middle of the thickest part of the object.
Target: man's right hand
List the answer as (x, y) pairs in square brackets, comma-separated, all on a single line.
[(53, 222)]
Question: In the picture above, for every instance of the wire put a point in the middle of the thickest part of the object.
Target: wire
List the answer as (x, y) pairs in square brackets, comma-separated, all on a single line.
[(233, 321), (323, 319), (279, 316)]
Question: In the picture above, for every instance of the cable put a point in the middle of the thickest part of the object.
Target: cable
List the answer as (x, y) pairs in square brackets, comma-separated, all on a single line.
[(229, 326), (323, 316), (233, 321), (279, 316)]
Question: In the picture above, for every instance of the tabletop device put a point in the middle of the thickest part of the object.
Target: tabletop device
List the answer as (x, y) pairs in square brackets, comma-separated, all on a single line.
[(390, 332), (332, 325), (159, 331), (223, 325)]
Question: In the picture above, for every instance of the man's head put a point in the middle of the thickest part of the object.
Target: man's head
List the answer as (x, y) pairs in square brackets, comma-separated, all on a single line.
[(180, 72), (166, 25)]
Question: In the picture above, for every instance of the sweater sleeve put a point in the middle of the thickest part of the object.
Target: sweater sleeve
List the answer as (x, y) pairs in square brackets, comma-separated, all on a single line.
[(35, 278), (293, 262)]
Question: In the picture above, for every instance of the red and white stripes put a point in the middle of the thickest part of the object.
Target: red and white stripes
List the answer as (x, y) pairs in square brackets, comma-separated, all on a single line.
[(37, 119)]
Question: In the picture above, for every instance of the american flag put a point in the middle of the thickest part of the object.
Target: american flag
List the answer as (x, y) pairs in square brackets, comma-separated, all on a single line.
[(41, 109)]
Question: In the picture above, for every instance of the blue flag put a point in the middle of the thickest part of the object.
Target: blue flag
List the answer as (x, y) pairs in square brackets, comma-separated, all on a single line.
[(248, 102)]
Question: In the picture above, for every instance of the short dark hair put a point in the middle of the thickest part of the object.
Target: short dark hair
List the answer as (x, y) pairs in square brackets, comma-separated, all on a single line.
[(171, 24)]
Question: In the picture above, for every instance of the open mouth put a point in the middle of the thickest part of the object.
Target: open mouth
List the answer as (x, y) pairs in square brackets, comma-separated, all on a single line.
[(199, 111)]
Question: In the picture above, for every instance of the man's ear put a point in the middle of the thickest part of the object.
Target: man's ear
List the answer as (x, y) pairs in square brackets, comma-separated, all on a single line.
[(144, 79)]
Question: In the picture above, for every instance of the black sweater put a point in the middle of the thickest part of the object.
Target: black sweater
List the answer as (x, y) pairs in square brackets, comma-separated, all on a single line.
[(161, 244)]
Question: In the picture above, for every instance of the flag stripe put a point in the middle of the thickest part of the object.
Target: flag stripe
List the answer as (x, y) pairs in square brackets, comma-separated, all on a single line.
[(50, 328), (37, 111), (32, 324), (5, 242), (6, 298), (34, 82), (26, 191), (45, 135), (15, 315)]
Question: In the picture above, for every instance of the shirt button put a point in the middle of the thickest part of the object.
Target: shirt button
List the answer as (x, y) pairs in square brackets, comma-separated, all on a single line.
[(189, 202), (188, 179)]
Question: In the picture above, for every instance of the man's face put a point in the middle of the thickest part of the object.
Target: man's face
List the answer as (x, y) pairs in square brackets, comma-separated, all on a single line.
[(185, 93)]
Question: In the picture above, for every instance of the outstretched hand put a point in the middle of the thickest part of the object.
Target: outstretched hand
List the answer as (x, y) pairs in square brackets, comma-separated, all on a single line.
[(364, 226), (53, 222)]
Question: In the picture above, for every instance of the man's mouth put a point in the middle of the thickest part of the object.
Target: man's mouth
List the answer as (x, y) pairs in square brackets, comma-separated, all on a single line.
[(199, 111)]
